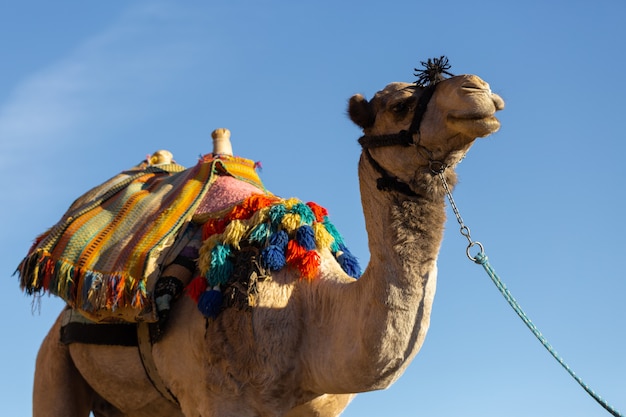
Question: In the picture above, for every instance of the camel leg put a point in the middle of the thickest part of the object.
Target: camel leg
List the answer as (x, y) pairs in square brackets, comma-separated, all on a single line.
[(59, 389)]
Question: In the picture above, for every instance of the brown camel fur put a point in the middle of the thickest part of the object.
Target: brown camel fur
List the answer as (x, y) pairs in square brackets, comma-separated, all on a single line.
[(307, 346)]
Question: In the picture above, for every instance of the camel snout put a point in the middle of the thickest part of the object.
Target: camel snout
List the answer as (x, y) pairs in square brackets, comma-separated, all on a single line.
[(475, 85)]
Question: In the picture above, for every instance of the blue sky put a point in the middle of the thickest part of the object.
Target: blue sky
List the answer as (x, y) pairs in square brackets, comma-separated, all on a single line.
[(89, 88)]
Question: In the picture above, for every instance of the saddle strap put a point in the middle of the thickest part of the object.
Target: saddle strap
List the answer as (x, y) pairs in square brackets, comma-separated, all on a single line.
[(145, 351)]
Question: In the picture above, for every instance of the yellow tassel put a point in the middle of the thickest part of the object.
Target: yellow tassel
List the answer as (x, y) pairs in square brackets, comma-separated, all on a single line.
[(290, 222), (259, 216), (64, 278), (289, 203), (234, 232), (204, 258), (323, 239)]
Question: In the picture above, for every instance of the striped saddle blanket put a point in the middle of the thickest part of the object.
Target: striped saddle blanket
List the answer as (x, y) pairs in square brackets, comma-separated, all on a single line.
[(103, 257)]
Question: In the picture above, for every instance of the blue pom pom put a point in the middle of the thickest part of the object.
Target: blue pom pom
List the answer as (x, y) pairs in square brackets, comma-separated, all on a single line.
[(349, 263), (210, 303), (305, 236), (273, 257), (279, 239)]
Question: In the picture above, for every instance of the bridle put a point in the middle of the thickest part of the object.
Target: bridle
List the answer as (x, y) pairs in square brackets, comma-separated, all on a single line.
[(427, 78), (388, 182)]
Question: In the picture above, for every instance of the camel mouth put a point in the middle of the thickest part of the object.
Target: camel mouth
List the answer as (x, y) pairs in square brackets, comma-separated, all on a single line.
[(471, 117), (477, 125)]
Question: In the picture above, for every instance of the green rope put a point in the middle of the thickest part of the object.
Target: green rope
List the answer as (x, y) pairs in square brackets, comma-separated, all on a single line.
[(438, 168), (481, 259)]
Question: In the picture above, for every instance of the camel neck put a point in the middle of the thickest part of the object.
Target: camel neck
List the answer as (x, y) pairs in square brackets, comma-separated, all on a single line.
[(405, 229), (397, 288), (389, 306)]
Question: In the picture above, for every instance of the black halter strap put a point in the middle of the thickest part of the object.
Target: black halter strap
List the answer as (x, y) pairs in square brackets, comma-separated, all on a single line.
[(388, 182), (404, 137), (420, 109)]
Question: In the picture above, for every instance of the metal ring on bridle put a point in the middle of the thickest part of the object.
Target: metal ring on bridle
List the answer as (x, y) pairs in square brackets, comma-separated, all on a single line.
[(436, 167), (469, 247)]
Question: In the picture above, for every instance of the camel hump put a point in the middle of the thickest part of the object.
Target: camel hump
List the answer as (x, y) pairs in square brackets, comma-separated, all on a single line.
[(221, 142)]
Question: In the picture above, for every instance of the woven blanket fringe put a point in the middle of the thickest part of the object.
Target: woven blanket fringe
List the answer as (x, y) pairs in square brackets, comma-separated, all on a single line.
[(84, 289)]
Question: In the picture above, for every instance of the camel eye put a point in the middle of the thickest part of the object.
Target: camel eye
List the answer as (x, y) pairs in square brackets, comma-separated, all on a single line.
[(400, 108)]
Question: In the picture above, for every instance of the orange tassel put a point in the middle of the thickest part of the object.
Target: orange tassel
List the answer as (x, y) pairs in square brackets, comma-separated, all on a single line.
[(46, 271), (258, 201), (249, 206), (294, 253), (309, 264), (120, 293)]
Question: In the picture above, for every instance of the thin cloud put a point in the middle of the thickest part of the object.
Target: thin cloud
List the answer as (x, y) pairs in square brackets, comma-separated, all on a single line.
[(95, 84)]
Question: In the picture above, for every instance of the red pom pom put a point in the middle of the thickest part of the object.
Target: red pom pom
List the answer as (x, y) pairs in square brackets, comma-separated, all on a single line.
[(319, 211), (213, 227), (196, 287)]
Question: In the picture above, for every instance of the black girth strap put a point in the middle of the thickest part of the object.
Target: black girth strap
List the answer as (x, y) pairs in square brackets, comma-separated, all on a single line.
[(145, 352), (75, 328), (114, 334)]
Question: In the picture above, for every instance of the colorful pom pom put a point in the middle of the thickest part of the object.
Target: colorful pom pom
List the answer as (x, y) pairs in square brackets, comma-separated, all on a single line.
[(210, 303), (305, 236), (213, 227), (221, 265), (322, 237), (306, 214), (273, 257), (319, 211), (259, 233), (294, 253), (234, 233), (196, 287), (349, 263), (308, 264), (287, 232), (333, 231), (276, 214), (290, 222), (279, 239)]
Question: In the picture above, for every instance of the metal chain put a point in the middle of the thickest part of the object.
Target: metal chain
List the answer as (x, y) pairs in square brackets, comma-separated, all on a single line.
[(465, 231)]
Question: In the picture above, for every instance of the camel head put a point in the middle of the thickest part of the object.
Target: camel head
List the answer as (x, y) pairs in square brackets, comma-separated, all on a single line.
[(441, 119)]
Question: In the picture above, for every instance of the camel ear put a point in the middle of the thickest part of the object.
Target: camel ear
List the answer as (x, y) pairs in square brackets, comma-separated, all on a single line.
[(360, 111)]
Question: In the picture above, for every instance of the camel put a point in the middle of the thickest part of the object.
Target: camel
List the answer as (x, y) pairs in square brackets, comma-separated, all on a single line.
[(307, 346)]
